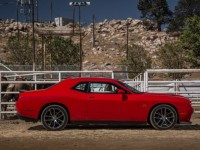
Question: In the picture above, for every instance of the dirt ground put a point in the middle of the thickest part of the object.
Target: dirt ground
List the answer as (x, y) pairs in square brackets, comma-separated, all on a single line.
[(20, 135)]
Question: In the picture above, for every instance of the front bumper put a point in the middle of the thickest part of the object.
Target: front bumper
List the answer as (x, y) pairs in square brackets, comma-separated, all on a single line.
[(185, 123)]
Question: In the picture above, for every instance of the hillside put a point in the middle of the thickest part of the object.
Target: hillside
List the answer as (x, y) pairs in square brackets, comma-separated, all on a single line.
[(110, 36)]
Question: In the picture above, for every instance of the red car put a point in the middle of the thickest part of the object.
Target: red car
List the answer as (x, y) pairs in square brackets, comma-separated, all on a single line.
[(101, 100)]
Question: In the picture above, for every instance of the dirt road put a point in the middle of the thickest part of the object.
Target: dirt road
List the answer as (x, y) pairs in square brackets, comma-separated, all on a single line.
[(19, 135)]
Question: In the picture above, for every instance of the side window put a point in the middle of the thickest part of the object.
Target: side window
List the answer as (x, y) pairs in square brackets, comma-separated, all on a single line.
[(80, 87), (102, 88)]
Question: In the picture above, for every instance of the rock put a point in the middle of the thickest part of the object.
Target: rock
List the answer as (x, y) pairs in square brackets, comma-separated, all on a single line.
[(120, 27), (105, 30), (105, 21), (118, 22), (20, 26), (89, 30), (7, 21), (53, 24), (99, 48), (23, 33), (103, 35), (157, 42), (112, 23), (107, 64), (85, 62), (7, 29), (10, 34), (12, 20), (69, 25)]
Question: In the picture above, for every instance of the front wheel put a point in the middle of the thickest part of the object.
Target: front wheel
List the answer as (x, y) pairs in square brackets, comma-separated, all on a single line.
[(54, 117), (163, 117)]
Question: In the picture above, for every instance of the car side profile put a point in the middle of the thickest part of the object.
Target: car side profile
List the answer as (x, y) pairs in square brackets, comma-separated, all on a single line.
[(97, 100)]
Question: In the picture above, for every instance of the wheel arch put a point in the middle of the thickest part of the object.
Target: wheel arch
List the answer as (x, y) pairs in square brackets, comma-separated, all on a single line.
[(53, 103), (149, 113)]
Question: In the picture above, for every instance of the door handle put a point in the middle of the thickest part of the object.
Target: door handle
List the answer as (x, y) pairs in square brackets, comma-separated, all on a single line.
[(91, 97)]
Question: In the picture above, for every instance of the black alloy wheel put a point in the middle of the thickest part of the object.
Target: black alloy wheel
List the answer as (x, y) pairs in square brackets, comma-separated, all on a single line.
[(54, 117), (163, 117)]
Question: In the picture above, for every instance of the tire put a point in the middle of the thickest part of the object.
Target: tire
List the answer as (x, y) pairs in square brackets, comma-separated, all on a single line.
[(54, 117), (163, 117)]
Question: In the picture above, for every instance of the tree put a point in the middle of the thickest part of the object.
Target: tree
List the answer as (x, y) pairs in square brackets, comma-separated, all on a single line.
[(20, 50), (190, 38), (63, 51), (156, 10), (184, 9), (138, 60), (173, 56)]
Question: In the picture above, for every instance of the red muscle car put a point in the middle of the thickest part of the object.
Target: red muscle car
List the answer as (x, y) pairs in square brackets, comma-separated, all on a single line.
[(101, 100)]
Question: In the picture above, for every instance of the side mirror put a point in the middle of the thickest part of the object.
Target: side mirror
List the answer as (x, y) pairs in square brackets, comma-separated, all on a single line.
[(121, 92)]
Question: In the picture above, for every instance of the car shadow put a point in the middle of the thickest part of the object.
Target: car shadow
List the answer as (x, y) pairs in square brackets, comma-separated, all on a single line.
[(117, 127)]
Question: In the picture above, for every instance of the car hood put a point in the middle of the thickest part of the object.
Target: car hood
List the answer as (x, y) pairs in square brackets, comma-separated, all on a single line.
[(165, 97)]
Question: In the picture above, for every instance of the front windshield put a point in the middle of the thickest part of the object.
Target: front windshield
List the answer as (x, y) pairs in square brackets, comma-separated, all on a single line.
[(130, 87)]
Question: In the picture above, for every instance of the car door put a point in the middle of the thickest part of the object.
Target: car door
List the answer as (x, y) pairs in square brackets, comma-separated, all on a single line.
[(130, 108), (103, 102), (77, 98)]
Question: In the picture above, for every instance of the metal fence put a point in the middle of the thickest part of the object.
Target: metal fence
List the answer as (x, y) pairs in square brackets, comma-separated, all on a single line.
[(41, 77), (189, 88), (143, 82)]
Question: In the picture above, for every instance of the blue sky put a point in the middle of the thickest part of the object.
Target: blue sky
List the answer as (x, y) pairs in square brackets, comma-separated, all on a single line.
[(103, 9)]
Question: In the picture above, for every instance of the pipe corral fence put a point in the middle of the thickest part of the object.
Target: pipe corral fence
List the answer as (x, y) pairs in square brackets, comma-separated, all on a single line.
[(144, 82)]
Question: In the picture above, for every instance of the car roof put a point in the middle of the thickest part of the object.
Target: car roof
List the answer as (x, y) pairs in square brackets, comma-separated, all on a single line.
[(87, 79)]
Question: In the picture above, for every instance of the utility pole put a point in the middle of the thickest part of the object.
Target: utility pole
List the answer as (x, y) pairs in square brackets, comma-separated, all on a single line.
[(43, 53), (73, 20), (80, 44), (33, 34), (51, 9), (79, 4), (36, 5), (93, 18), (18, 21), (127, 40)]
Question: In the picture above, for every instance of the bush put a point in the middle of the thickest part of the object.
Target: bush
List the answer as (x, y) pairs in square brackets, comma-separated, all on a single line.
[(63, 51), (173, 56), (59, 51), (138, 60), (20, 50)]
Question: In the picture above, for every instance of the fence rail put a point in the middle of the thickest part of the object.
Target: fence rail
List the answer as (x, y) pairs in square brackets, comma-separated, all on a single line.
[(189, 88), (42, 77), (142, 82)]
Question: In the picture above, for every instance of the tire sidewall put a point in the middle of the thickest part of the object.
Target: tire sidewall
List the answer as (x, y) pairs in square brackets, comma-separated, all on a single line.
[(58, 107)]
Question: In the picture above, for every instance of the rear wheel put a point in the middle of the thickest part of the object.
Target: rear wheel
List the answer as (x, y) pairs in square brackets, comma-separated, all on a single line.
[(163, 117), (54, 117)]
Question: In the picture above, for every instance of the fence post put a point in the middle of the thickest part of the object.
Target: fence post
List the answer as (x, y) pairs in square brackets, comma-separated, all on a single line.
[(0, 94), (146, 81), (34, 78), (141, 82), (59, 76), (113, 76)]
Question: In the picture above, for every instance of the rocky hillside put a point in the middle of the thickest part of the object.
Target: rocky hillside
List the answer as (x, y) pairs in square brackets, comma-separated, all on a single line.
[(110, 36)]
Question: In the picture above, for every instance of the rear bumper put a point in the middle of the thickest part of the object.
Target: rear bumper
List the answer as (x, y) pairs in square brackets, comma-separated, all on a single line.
[(27, 119)]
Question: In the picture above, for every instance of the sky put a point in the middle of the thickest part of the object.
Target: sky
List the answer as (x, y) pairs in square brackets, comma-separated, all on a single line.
[(102, 9)]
